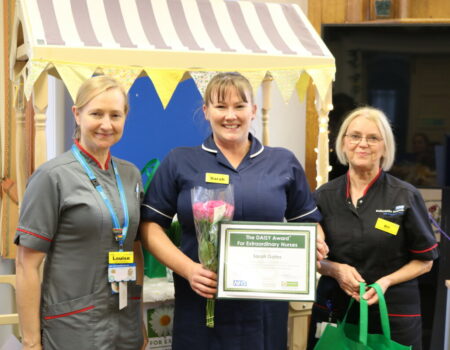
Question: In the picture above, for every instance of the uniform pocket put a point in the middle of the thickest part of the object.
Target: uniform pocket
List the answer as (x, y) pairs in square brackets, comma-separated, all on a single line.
[(69, 324), (131, 337)]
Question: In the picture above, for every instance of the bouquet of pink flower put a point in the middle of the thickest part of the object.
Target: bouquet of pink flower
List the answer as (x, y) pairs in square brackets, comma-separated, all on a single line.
[(209, 207)]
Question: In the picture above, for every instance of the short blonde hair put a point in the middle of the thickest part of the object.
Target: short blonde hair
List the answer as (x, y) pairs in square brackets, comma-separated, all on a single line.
[(93, 87), (220, 86), (382, 122)]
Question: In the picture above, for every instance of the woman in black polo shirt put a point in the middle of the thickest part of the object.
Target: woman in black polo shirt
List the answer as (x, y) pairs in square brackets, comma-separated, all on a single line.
[(377, 229)]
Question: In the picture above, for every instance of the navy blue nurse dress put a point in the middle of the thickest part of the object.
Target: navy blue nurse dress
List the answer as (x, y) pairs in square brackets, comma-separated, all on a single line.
[(269, 185)]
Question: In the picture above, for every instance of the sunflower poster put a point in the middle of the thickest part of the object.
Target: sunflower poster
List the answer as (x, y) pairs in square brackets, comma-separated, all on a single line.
[(159, 327)]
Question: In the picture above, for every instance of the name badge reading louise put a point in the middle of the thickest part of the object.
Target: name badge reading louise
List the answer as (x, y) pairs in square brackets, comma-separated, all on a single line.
[(121, 258), (217, 178), (387, 226)]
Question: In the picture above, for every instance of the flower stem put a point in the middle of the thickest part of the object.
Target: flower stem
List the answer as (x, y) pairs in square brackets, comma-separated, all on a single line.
[(210, 313)]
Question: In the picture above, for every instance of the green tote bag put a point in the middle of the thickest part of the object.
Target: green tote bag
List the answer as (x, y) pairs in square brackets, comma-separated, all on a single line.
[(347, 336)]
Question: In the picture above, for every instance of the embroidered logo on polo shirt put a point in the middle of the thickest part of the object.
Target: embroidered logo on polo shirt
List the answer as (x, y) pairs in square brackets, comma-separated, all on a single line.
[(398, 210)]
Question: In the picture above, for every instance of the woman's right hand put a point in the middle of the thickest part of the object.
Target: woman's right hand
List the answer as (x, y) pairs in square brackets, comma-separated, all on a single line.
[(349, 278), (202, 281)]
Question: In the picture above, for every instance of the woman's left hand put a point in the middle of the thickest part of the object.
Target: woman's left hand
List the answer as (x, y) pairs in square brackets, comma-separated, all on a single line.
[(371, 295), (407, 272)]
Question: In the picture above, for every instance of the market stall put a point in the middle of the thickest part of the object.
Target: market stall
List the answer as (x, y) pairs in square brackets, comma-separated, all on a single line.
[(167, 40)]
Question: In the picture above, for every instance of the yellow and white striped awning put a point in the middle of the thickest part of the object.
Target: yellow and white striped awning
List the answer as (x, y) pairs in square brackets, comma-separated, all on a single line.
[(167, 38)]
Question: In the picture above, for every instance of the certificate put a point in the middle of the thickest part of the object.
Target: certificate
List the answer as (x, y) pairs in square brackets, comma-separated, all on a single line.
[(272, 261)]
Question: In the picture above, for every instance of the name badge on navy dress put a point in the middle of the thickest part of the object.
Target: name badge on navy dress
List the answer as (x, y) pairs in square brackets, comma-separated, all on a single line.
[(217, 178)]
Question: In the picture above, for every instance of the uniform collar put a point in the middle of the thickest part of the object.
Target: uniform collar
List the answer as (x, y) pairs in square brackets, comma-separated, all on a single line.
[(91, 157), (256, 147), (380, 172)]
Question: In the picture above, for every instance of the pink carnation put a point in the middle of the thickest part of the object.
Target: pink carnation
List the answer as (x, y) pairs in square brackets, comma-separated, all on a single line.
[(205, 210), (200, 211)]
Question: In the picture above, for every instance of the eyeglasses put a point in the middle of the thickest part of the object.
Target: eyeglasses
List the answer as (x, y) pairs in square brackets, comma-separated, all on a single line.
[(356, 139)]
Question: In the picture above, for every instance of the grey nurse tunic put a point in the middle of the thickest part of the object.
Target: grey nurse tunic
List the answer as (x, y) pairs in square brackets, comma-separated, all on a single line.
[(64, 216)]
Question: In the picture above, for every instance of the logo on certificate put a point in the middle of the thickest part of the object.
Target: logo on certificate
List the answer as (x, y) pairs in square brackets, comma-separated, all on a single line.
[(239, 283)]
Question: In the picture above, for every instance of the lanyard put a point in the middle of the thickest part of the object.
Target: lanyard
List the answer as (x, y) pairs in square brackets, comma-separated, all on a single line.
[(120, 233)]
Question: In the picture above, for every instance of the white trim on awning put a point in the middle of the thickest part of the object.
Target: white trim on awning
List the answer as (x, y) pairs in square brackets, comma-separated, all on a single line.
[(127, 38), (201, 26)]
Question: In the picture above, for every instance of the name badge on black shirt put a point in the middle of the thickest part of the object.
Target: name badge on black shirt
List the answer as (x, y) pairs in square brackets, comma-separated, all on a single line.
[(387, 226)]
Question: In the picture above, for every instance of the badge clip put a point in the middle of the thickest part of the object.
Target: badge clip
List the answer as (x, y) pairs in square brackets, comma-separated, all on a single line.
[(118, 234)]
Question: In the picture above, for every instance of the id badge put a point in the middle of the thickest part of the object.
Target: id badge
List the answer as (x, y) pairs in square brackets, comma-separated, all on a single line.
[(121, 269), (121, 272)]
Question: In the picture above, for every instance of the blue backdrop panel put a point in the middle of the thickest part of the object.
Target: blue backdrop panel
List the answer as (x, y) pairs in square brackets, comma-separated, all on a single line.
[(151, 132)]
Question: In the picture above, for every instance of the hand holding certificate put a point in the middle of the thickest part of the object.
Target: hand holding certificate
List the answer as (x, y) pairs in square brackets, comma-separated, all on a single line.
[(274, 261)]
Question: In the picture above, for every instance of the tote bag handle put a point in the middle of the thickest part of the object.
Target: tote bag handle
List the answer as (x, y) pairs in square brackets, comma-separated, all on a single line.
[(363, 309), (363, 315), (383, 310)]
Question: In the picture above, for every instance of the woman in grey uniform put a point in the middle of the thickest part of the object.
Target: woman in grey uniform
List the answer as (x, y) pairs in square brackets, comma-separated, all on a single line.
[(81, 212)]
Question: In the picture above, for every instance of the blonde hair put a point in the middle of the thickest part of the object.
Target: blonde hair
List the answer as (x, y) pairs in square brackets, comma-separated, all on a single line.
[(381, 121), (220, 86), (93, 87)]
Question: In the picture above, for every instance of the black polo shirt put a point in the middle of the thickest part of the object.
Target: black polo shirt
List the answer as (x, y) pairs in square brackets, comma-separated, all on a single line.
[(388, 228)]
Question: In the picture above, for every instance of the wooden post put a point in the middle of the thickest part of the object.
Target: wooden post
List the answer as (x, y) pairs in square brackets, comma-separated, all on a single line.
[(40, 103), (21, 154), (266, 105), (312, 134), (322, 164), (29, 137), (316, 11), (357, 11), (9, 208), (402, 9)]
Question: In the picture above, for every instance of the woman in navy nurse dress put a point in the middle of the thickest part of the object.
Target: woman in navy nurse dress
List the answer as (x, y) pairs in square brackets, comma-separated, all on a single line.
[(269, 184)]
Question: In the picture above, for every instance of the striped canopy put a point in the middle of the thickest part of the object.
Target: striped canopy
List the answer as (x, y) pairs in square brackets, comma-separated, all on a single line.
[(167, 38)]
